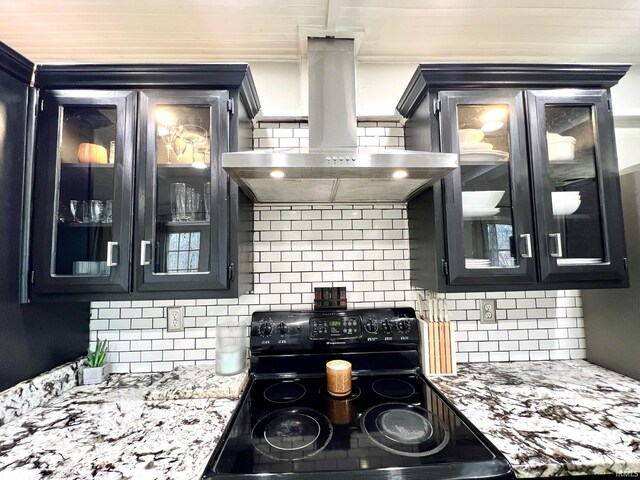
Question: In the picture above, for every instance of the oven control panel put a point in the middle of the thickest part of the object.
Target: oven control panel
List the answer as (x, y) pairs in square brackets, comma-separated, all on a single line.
[(335, 327), (353, 330)]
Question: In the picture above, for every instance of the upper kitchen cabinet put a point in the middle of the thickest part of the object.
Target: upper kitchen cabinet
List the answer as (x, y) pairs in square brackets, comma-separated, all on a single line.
[(535, 202), (83, 193), (131, 201), (182, 200)]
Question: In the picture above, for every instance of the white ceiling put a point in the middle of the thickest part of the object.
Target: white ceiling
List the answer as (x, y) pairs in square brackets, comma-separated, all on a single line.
[(387, 30)]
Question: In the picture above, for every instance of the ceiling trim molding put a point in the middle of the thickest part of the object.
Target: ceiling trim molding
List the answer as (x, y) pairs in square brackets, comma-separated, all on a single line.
[(14, 64), (505, 75), (249, 94)]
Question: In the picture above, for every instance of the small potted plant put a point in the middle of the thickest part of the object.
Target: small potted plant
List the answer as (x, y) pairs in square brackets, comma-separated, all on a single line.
[(96, 370)]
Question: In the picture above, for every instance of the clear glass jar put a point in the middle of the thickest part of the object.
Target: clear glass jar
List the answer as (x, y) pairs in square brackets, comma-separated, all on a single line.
[(231, 350)]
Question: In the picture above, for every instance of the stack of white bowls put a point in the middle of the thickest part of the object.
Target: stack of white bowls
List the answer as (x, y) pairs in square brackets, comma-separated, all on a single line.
[(565, 203), (481, 203), (471, 141)]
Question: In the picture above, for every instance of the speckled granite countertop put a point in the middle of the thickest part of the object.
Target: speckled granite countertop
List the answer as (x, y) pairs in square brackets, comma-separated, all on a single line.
[(148, 426), (552, 418)]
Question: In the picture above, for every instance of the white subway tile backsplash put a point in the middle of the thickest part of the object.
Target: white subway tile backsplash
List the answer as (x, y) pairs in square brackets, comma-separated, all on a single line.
[(362, 247)]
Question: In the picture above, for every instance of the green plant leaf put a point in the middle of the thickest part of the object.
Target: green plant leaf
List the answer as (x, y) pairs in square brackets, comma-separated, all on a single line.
[(97, 357)]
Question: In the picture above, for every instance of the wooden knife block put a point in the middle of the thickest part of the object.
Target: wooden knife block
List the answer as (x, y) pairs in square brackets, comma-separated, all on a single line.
[(437, 348)]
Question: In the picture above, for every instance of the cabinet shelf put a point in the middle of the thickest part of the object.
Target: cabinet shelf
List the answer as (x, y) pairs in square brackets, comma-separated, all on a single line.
[(87, 165), (85, 225), (180, 166), (187, 224)]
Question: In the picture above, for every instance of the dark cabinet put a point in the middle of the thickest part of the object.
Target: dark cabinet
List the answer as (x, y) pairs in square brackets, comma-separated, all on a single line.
[(576, 183), (83, 208), (182, 233), (535, 202), (487, 199), (131, 201)]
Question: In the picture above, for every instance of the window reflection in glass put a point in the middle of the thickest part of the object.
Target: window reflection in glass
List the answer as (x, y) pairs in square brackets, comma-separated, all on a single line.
[(183, 252)]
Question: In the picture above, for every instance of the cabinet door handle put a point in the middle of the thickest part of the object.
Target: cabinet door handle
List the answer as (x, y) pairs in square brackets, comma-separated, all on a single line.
[(558, 240), (110, 256), (143, 252), (527, 239)]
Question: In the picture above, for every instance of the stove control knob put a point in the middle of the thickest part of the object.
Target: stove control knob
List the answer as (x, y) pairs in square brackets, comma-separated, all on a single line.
[(403, 325), (371, 326), (282, 328), (266, 329), (386, 326)]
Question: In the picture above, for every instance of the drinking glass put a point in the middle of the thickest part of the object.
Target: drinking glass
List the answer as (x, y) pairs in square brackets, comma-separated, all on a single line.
[(85, 209), (196, 206), (96, 211), (178, 201), (74, 208), (63, 214), (179, 145), (108, 212), (189, 205), (207, 200)]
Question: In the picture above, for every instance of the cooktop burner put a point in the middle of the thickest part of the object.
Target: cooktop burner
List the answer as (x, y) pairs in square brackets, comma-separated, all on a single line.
[(285, 392), (355, 393), (404, 429), (292, 434), (393, 388)]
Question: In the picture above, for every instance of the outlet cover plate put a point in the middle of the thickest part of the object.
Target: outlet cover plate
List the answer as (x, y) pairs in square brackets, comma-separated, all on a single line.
[(488, 311), (175, 319)]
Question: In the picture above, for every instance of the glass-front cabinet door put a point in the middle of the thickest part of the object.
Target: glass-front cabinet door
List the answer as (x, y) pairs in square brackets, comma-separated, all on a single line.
[(182, 191), (82, 219), (488, 211), (580, 233)]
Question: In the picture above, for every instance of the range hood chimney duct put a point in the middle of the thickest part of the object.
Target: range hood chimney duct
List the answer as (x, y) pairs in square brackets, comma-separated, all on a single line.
[(332, 93)]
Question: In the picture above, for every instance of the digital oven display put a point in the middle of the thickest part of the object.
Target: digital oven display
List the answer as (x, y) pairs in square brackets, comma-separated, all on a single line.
[(342, 327)]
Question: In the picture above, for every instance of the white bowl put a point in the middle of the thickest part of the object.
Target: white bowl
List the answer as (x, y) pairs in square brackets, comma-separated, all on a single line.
[(561, 149), (476, 147), (470, 135), (482, 199), (565, 203)]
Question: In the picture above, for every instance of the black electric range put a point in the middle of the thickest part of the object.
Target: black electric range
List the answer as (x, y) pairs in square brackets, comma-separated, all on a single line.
[(393, 425)]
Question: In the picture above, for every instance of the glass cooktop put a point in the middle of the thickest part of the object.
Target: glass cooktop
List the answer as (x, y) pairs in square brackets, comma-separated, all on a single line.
[(388, 422)]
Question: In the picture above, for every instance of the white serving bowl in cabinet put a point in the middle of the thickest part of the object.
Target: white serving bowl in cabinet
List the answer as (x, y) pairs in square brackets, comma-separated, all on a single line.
[(565, 203), (470, 135), (481, 199), (561, 148)]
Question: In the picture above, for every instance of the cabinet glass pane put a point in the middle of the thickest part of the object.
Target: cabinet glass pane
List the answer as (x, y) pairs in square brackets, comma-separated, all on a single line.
[(484, 146), (577, 237), (85, 190), (183, 189)]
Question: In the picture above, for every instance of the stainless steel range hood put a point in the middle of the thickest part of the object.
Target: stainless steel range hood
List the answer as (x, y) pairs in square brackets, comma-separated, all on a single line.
[(333, 168)]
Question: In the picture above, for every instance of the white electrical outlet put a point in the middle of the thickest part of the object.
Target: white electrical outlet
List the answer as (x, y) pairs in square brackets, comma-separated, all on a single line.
[(175, 319), (488, 311)]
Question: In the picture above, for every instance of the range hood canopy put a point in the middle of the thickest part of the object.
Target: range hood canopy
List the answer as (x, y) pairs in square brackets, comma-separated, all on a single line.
[(333, 168)]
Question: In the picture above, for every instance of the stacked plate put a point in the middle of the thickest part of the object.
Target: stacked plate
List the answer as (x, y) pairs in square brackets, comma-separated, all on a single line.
[(579, 261), (477, 263), (480, 212), (476, 147), (483, 157)]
